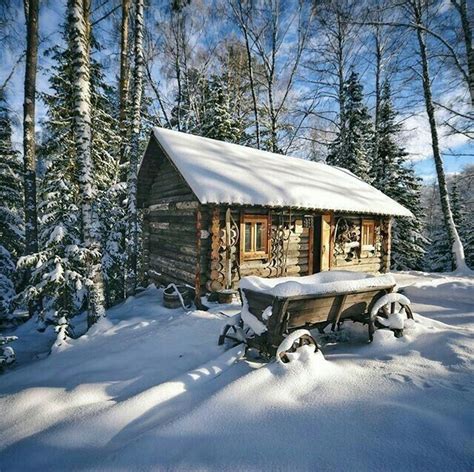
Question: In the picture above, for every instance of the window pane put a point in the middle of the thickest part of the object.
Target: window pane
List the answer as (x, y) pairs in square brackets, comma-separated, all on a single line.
[(259, 244), (248, 237)]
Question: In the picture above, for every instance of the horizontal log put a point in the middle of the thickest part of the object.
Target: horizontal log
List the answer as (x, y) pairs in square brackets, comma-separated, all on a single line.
[(163, 278), (171, 256), (166, 226), (174, 267), (274, 272), (185, 249), (173, 270), (155, 215), (178, 199), (259, 264), (355, 262), (160, 193), (370, 268), (166, 184)]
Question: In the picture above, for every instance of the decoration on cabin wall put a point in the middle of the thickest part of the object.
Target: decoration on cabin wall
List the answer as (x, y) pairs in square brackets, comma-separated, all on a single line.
[(217, 279), (224, 261), (281, 233), (346, 238)]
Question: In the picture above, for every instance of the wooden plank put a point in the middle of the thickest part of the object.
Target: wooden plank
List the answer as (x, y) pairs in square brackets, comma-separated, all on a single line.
[(325, 242), (311, 248), (197, 277)]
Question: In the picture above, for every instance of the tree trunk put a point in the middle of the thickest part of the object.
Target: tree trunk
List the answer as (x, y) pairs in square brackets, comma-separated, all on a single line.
[(252, 87), (80, 45), (29, 158), (456, 244), (124, 78), (461, 7), (378, 70), (341, 80), (132, 243), (243, 23)]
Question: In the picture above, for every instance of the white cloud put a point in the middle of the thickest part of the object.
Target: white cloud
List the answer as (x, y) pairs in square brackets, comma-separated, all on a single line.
[(417, 136)]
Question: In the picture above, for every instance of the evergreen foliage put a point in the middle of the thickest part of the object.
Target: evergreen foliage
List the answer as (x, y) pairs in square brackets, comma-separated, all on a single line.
[(11, 204), (218, 121), (439, 257), (11, 187), (352, 147), (58, 279), (463, 220), (205, 108), (392, 175)]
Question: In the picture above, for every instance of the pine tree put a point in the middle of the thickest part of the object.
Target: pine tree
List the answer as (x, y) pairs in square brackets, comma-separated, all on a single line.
[(11, 204), (352, 147), (391, 174)]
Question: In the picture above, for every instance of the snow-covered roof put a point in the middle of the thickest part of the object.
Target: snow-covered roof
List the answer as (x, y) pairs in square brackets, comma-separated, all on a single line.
[(225, 173)]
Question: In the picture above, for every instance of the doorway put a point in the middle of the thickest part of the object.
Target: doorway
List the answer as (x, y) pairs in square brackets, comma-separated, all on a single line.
[(321, 242)]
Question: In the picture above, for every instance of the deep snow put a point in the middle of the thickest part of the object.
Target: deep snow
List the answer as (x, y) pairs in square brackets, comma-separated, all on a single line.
[(149, 388), (220, 172)]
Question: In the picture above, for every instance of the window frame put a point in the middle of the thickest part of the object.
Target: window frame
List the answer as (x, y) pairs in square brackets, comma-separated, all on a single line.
[(370, 233), (253, 219)]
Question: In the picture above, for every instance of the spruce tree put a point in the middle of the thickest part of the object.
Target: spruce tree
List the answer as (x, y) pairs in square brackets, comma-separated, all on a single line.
[(59, 268), (391, 174), (352, 147), (11, 187), (11, 204), (463, 220), (219, 122)]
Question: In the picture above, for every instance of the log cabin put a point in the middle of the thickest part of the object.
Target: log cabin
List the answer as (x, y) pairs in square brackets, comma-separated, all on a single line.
[(214, 212)]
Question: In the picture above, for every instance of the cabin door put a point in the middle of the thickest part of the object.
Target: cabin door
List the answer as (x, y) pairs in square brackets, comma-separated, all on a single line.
[(321, 243)]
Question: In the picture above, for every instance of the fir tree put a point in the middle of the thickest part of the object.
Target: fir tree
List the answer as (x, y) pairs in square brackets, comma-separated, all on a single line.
[(218, 121), (7, 287), (11, 204), (352, 147), (463, 221), (392, 175), (59, 270)]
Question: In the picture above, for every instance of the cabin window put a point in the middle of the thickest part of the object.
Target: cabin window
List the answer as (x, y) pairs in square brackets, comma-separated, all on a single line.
[(254, 240), (368, 235)]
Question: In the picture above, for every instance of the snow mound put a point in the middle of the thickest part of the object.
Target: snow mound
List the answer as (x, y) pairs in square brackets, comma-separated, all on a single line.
[(316, 284), (220, 172)]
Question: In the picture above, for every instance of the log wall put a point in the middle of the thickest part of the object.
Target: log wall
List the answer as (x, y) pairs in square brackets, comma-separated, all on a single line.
[(290, 253), (185, 242), (359, 259)]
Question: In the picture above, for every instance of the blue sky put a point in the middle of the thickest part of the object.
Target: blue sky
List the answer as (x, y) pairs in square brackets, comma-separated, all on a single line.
[(417, 141)]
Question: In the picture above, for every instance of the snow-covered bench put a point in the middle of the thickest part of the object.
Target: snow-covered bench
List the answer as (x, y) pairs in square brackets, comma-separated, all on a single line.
[(274, 308)]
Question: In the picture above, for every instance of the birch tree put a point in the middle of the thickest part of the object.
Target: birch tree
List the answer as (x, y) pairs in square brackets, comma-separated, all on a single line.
[(418, 10), (133, 230), (79, 42), (124, 76), (31, 8)]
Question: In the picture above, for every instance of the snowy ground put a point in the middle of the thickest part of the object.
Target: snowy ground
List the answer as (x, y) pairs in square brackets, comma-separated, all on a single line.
[(141, 391)]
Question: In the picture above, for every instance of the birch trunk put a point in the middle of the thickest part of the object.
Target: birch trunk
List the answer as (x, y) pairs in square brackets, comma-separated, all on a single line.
[(378, 73), (132, 243), (456, 244), (461, 7), (29, 158), (79, 10), (252, 86), (124, 78)]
